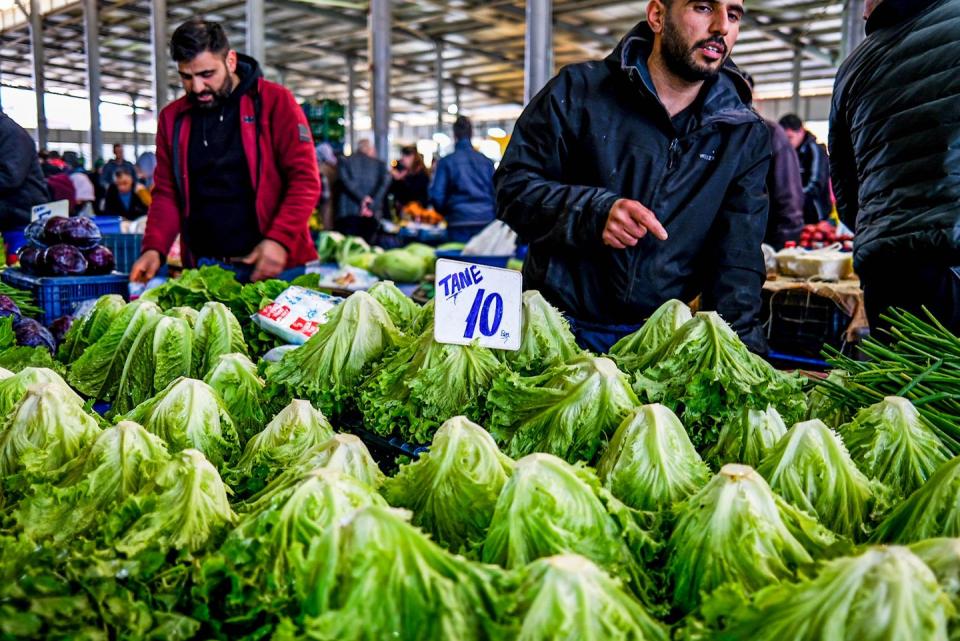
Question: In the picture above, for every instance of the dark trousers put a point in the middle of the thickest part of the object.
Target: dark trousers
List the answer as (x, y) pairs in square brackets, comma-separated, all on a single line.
[(596, 337), (911, 288), (365, 227)]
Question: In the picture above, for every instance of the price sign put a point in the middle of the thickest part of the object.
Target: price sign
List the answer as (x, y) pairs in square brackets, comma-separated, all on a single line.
[(56, 208), (476, 303)]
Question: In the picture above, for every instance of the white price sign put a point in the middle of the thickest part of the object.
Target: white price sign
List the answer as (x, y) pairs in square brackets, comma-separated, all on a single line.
[(476, 303), (56, 208)]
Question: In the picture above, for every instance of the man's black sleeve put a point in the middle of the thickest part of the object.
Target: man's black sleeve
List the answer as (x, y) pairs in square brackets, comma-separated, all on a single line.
[(736, 267), (531, 195), (843, 167), (16, 159)]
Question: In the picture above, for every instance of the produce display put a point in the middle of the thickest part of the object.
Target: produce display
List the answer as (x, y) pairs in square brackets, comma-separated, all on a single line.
[(680, 488), (61, 246)]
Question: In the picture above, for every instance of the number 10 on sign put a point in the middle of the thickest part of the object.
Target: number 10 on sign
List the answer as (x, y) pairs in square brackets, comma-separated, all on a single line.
[(477, 304)]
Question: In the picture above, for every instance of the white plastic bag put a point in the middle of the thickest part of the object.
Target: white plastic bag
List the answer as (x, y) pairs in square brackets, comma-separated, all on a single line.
[(496, 239), (296, 314)]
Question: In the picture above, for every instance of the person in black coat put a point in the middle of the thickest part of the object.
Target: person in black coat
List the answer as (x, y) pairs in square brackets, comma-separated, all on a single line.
[(895, 157), (642, 178), (22, 185), (411, 181), (814, 170), (124, 197)]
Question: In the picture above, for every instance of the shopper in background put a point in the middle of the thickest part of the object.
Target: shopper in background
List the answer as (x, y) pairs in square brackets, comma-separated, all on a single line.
[(21, 181), (784, 186), (146, 166), (327, 163), (462, 187), (814, 170), (99, 191), (363, 180), (642, 178), (236, 173), (126, 197), (411, 180), (58, 179), (85, 193), (895, 157), (106, 174)]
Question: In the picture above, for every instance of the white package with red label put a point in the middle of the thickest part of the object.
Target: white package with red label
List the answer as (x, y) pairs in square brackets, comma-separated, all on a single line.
[(296, 314)]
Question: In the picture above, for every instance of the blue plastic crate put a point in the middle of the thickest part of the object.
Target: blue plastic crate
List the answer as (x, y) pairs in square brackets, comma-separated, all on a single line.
[(125, 248), (61, 295), (490, 261), (108, 224)]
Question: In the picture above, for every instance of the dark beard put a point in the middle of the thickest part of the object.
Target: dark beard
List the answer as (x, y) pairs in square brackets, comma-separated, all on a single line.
[(679, 59), (219, 97)]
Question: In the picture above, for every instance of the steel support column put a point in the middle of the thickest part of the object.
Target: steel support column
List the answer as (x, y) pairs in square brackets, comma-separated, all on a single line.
[(795, 99), (91, 28), (439, 70), (352, 102), (158, 37), (854, 27), (380, 30), (538, 56), (39, 86), (133, 119), (256, 47)]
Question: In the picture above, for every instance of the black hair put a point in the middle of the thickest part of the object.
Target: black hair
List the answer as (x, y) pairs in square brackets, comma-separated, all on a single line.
[(196, 36), (462, 129), (409, 150), (122, 171), (791, 122)]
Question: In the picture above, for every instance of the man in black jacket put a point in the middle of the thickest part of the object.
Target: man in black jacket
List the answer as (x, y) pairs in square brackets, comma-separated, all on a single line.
[(895, 157), (21, 181), (641, 178), (814, 170)]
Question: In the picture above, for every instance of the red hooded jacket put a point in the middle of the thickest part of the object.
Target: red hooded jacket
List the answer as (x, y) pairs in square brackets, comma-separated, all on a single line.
[(283, 170)]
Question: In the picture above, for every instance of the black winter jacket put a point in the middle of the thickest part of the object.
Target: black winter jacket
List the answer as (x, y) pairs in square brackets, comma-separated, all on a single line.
[(22, 185), (895, 135), (598, 132)]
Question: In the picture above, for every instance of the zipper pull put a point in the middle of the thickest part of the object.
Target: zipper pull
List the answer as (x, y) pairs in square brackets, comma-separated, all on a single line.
[(673, 154)]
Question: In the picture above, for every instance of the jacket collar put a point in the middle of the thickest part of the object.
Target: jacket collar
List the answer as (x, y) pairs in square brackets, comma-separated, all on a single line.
[(728, 95), (466, 143), (891, 13)]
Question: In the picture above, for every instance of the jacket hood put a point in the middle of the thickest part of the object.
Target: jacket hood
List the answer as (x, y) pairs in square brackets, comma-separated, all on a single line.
[(728, 90), (891, 13), (250, 73)]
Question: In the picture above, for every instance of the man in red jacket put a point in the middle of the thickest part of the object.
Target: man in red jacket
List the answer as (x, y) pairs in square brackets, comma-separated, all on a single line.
[(236, 173)]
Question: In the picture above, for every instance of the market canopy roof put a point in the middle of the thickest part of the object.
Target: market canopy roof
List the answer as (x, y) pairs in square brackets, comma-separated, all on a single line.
[(308, 43)]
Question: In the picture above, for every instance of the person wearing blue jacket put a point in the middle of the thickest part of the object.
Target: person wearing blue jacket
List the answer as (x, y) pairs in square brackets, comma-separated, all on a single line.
[(462, 187)]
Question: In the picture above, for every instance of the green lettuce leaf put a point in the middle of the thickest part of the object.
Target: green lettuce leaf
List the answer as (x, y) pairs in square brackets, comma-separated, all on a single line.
[(650, 463), (706, 375), (216, 332), (567, 597), (327, 369), (811, 468), (567, 411), (452, 489), (882, 594), (942, 556), (933, 510), (424, 319), (827, 407), (892, 442), (737, 530), (96, 373), (747, 437), (403, 311), (188, 314), (632, 352), (189, 414), (546, 337), (14, 388), (235, 379), (5, 374), (87, 329), (425, 384), (160, 354)]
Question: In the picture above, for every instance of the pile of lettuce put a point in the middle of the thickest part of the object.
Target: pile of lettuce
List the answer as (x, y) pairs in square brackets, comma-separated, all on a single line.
[(632, 352), (546, 337)]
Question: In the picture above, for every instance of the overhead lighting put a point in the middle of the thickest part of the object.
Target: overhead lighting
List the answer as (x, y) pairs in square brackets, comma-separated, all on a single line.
[(496, 132), (453, 110)]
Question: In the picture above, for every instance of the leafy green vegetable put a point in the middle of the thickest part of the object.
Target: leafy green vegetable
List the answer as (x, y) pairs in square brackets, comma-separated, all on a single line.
[(892, 442), (235, 379), (399, 265), (650, 463), (811, 468), (216, 333), (351, 246), (186, 510), (24, 299), (737, 530), (822, 404), (425, 384), (546, 337), (14, 388), (195, 287), (707, 375), (942, 556), (269, 564), (550, 507), (45, 431), (121, 461), (296, 430), (96, 373), (424, 319), (328, 245), (188, 314), (87, 329), (5, 374), (189, 414), (421, 591), (17, 358), (632, 352), (747, 437), (931, 511), (453, 488), (402, 310), (567, 411), (160, 354), (882, 594), (567, 597), (327, 369)]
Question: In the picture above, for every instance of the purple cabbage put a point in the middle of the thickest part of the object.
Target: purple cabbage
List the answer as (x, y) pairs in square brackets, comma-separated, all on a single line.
[(34, 233), (99, 260), (60, 327), (54, 230), (32, 260), (81, 232), (30, 333), (65, 260), (8, 307)]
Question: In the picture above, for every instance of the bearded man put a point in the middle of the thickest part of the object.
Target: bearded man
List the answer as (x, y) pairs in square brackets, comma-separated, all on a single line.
[(641, 178), (236, 172)]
